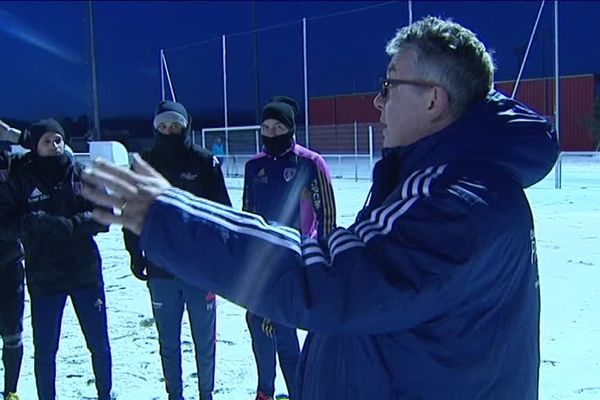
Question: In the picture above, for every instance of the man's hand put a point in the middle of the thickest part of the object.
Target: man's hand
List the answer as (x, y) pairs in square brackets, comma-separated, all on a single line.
[(117, 189), (138, 269), (267, 327)]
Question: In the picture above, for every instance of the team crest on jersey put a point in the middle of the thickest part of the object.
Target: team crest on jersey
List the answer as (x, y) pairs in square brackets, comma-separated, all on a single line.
[(289, 174)]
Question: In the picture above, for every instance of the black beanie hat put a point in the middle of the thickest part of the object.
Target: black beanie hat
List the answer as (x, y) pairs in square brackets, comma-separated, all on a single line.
[(283, 109), (31, 136), (171, 111)]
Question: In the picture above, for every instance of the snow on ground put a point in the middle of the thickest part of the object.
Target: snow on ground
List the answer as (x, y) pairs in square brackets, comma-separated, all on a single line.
[(568, 233)]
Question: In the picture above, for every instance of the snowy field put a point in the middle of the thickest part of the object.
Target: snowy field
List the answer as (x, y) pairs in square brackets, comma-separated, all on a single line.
[(568, 233)]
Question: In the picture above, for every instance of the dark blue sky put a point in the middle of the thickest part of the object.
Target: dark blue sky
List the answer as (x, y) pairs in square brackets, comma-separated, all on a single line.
[(45, 69)]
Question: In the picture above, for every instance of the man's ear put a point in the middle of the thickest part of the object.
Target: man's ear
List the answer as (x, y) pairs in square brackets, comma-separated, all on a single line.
[(439, 103)]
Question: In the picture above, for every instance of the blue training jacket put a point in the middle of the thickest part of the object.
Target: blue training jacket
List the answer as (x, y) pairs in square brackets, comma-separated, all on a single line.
[(431, 294)]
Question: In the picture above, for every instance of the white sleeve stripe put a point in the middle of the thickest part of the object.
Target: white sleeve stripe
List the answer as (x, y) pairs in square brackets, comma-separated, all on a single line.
[(336, 233), (407, 184), (226, 210), (312, 253), (233, 216), (340, 238), (471, 184), (315, 260), (343, 242), (417, 181), (310, 247), (427, 183), (375, 224), (176, 192), (375, 215), (345, 247), (310, 242), (266, 236), (390, 221)]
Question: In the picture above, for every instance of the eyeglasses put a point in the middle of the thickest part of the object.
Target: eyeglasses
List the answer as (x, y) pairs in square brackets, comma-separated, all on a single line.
[(386, 84)]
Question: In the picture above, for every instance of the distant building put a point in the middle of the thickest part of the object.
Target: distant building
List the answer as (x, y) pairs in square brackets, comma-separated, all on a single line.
[(339, 112)]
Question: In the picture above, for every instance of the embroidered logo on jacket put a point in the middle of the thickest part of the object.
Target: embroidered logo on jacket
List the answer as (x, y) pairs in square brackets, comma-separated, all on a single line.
[(188, 176), (37, 195), (289, 174)]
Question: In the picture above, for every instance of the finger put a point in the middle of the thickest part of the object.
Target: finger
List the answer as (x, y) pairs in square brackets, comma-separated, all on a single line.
[(100, 197), (106, 217), (111, 169), (142, 167), (102, 179)]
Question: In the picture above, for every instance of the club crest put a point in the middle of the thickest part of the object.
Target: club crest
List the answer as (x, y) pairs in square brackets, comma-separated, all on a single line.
[(289, 174)]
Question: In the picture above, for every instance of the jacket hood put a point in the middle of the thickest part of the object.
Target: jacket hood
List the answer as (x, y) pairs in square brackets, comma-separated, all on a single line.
[(498, 130)]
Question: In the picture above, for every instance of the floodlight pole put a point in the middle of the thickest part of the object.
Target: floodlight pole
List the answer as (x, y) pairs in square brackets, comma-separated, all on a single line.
[(224, 51), (307, 141), (96, 127), (558, 167), (162, 75)]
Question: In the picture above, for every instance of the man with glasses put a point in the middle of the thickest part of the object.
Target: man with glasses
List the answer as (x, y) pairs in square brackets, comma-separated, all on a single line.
[(290, 185), (433, 292), (196, 170)]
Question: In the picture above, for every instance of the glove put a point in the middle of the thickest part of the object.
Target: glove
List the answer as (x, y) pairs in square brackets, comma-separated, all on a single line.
[(267, 327), (85, 225), (138, 269), (38, 223)]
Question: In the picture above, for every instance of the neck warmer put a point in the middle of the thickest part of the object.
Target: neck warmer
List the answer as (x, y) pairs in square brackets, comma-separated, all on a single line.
[(276, 146)]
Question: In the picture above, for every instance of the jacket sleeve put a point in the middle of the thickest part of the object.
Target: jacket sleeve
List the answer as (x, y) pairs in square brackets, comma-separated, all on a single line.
[(218, 188), (323, 200), (12, 208), (407, 262), (84, 225)]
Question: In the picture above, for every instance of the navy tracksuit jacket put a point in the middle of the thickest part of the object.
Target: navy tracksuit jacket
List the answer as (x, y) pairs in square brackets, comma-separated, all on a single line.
[(432, 293)]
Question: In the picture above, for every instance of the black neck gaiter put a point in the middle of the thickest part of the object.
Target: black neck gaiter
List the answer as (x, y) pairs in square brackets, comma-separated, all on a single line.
[(170, 145), (54, 167), (276, 146)]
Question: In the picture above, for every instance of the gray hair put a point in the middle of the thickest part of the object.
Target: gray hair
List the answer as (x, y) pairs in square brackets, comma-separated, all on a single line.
[(450, 55)]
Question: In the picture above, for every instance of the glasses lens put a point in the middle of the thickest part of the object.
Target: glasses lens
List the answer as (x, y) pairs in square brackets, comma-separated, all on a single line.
[(384, 88)]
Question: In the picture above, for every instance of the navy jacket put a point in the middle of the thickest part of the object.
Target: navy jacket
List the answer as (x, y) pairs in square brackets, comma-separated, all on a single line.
[(55, 226), (432, 293), (190, 168), (11, 250)]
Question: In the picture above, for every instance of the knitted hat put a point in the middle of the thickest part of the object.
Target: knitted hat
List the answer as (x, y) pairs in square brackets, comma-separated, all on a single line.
[(170, 111), (282, 109), (32, 135)]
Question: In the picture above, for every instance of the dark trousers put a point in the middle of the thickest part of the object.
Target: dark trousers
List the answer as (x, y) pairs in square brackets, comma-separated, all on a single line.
[(284, 342), (46, 319), (169, 297), (11, 322)]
